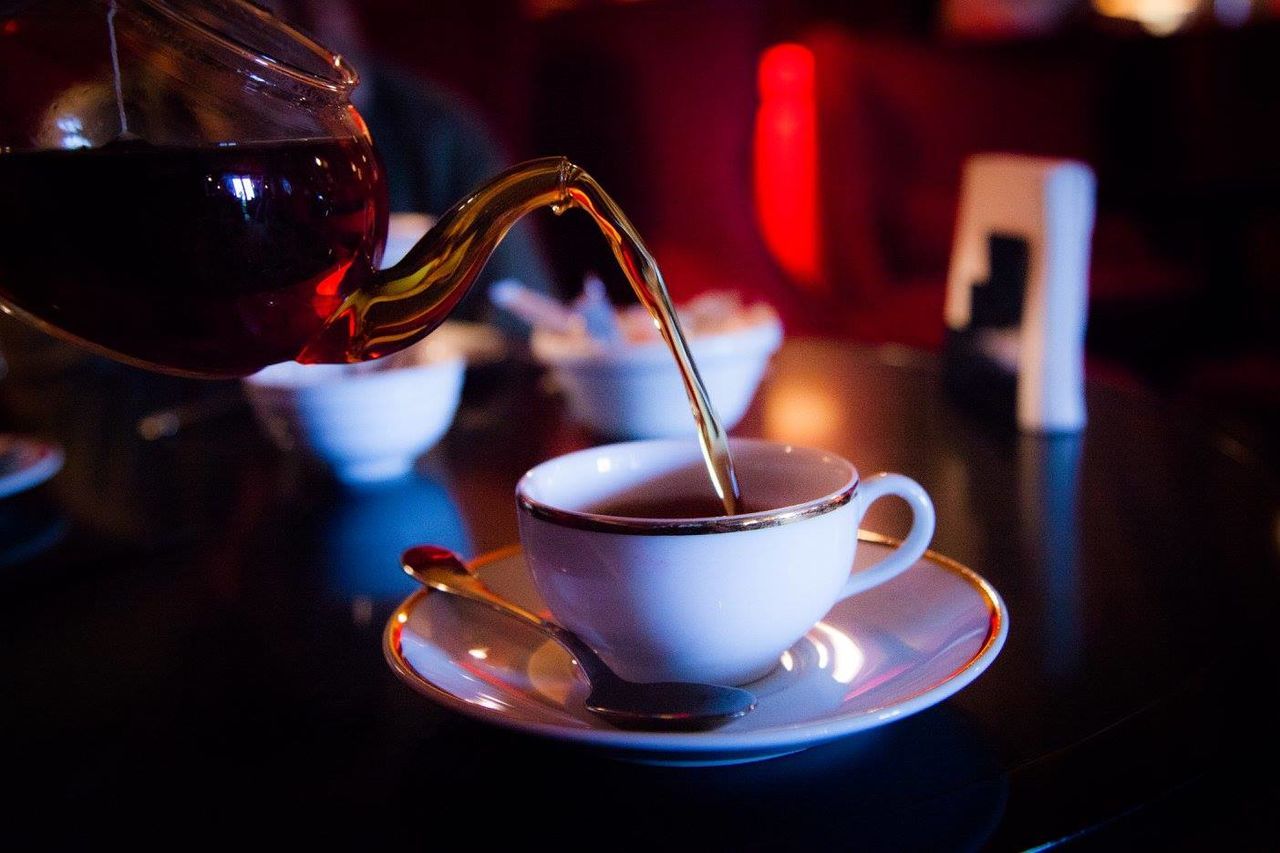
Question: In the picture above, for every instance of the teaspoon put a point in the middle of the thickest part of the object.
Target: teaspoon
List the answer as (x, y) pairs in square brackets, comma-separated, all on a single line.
[(664, 705)]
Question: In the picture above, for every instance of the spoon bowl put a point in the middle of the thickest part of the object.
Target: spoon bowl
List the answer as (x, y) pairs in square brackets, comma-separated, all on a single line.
[(666, 705)]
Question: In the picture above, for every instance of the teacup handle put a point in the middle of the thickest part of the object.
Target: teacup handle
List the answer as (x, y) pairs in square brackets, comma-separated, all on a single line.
[(912, 548)]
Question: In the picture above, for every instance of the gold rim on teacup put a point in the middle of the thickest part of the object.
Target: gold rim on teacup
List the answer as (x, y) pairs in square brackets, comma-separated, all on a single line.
[(687, 526)]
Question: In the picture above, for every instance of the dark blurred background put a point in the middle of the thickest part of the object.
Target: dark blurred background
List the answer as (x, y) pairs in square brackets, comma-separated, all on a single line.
[(809, 152)]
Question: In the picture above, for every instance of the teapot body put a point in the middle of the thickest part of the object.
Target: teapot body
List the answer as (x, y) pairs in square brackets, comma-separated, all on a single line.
[(186, 185)]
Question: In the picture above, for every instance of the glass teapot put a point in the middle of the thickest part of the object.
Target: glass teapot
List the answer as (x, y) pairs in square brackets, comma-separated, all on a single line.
[(185, 186)]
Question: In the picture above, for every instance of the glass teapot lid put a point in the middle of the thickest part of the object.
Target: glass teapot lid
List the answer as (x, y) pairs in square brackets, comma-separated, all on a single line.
[(254, 34), (83, 74)]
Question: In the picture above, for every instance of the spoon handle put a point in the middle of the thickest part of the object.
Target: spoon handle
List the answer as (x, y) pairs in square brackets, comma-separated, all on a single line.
[(442, 571)]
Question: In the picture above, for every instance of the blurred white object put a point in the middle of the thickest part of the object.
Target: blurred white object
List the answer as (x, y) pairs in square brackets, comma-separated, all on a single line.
[(26, 462), (403, 232), (540, 312), (598, 315), (1233, 13), (1158, 17), (478, 343), (634, 390), (169, 421), (368, 422), (1049, 204)]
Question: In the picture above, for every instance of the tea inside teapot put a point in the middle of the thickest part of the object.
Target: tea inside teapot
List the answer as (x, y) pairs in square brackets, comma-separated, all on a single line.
[(215, 260)]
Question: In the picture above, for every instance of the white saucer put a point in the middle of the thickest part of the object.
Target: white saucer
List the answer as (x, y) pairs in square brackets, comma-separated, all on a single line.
[(875, 658), (25, 463)]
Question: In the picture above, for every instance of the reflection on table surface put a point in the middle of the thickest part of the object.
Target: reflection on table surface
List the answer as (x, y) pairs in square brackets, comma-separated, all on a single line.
[(205, 630)]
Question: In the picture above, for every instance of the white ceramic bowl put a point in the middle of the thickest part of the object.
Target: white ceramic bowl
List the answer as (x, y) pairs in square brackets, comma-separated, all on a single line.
[(634, 391), (369, 423)]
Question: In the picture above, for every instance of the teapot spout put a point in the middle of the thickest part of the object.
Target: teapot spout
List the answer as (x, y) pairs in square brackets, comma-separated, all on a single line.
[(400, 305)]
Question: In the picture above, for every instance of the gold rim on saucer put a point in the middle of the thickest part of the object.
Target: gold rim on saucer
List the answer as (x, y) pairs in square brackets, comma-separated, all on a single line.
[(764, 740)]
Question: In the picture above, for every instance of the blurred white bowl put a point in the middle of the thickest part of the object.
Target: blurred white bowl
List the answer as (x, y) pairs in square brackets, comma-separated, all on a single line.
[(635, 391), (368, 422), (403, 232)]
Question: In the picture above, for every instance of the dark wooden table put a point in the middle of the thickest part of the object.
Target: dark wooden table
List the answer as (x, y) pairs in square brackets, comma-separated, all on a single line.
[(190, 636)]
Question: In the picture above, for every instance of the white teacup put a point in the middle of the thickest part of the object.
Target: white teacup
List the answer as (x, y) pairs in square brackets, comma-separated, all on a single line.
[(706, 597)]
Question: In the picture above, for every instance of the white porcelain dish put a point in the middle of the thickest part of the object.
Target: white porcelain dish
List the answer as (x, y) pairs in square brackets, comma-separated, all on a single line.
[(26, 463), (635, 390), (368, 422)]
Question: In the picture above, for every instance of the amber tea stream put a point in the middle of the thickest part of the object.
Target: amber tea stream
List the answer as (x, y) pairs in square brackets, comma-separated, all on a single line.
[(439, 269), (646, 279)]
